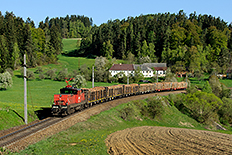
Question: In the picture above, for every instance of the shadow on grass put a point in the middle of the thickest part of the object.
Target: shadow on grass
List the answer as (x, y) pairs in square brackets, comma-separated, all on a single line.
[(43, 113), (78, 53), (18, 115), (19, 76)]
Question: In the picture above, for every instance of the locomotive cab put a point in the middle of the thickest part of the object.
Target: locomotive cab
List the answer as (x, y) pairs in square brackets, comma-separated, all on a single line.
[(68, 101)]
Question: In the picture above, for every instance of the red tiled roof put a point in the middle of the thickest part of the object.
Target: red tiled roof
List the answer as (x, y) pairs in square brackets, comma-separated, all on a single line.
[(160, 68), (123, 67)]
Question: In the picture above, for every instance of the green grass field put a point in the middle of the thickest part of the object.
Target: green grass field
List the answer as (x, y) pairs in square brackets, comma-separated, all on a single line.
[(69, 44), (89, 137)]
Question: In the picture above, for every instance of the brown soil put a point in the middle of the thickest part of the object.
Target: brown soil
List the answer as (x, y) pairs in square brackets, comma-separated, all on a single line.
[(166, 140)]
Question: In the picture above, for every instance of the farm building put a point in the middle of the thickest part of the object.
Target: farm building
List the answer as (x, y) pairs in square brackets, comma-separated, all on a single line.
[(147, 69)]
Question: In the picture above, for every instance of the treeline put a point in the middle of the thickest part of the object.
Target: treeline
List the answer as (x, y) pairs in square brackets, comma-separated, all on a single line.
[(74, 26), (197, 42), (19, 37), (41, 45)]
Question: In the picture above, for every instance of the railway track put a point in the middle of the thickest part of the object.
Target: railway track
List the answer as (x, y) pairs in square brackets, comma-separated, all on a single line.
[(20, 139), (19, 134)]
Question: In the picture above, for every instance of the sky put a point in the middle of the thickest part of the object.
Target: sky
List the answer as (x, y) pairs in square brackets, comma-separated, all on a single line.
[(103, 10)]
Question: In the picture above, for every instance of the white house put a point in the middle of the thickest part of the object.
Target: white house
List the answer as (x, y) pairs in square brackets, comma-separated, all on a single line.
[(125, 68), (158, 67), (147, 69)]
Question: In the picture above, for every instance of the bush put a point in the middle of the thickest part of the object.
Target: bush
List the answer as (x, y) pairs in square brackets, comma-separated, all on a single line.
[(80, 81), (5, 80), (225, 92), (225, 113), (127, 113), (86, 72), (51, 74), (39, 70), (41, 76), (206, 88), (62, 75), (10, 71), (154, 107), (30, 75), (202, 106), (170, 78), (215, 85), (191, 89), (101, 75)]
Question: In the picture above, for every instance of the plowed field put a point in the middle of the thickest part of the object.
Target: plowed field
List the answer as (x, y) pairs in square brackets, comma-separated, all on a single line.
[(165, 140)]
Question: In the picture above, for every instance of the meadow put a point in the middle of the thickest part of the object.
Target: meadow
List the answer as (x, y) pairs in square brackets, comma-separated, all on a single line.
[(89, 137), (39, 92), (85, 137)]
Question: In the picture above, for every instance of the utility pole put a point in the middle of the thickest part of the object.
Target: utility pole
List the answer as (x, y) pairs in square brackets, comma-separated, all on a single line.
[(93, 77), (25, 89)]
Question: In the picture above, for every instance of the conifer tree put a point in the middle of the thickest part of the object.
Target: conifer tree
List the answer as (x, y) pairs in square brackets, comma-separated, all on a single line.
[(3, 54)]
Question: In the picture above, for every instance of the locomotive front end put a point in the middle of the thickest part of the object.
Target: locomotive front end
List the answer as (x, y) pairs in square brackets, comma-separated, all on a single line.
[(60, 104)]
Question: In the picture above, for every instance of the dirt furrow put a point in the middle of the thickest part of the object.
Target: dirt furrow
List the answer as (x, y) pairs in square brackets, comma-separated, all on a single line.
[(162, 140)]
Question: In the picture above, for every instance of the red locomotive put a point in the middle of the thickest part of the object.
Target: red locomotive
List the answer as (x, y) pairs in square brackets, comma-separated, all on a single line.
[(69, 100), (72, 99)]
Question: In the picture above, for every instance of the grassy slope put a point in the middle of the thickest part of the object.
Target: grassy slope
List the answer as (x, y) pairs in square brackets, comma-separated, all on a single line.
[(69, 45), (40, 94), (89, 137)]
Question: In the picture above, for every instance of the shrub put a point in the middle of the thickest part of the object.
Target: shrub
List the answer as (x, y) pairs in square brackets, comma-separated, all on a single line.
[(191, 89), (132, 110), (202, 106), (30, 75), (225, 113), (154, 107), (51, 74), (39, 70), (112, 79), (170, 78), (86, 72), (215, 85), (5, 80), (127, 113), (41, 76), (225, 92), (62, 75), (10, 71), (80, 81), (101, 75), (206, 88)]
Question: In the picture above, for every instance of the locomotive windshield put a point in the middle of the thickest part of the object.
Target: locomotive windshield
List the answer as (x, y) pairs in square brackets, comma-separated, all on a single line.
[(68, 91)]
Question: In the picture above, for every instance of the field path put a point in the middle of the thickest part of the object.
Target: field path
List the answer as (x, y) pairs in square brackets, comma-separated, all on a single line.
[(165, 140)]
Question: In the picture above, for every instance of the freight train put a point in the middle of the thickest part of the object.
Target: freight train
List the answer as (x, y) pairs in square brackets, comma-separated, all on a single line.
[(72, 99)]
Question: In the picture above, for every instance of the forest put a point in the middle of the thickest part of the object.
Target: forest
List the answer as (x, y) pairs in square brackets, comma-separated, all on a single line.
[(197, 43)]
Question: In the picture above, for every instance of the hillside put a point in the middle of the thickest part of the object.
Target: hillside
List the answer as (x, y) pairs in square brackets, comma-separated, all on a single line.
[(40, 92), (85, 137)]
